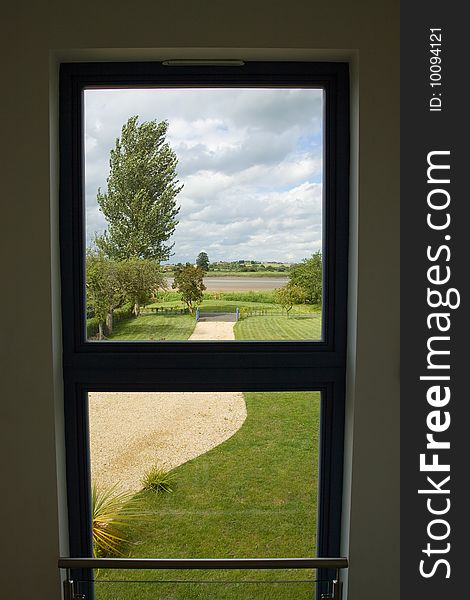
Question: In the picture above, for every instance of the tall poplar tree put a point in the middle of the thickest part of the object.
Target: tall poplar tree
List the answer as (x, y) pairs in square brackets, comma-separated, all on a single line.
[(140, 203)]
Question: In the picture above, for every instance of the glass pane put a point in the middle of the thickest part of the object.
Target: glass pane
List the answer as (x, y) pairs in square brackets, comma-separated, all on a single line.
[(209, 585), (205, 475), (204, 213)]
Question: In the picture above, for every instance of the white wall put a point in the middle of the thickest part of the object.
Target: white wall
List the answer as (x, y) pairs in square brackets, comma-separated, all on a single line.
[(35, 37)]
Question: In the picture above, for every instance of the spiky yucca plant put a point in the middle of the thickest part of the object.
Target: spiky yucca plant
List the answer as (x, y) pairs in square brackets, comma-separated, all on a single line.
[(112, 514)]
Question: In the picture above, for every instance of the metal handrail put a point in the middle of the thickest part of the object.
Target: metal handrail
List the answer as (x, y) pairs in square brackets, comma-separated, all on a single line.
[(203, 563)]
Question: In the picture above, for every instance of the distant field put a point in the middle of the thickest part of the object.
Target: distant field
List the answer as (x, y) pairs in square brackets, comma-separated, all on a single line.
[(269, 271), (246, 274), (250, 297), (230, 301), (220, 305)]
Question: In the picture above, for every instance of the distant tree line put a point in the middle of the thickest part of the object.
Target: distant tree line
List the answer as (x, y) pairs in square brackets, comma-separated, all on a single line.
[(239, 266), (248, 266)]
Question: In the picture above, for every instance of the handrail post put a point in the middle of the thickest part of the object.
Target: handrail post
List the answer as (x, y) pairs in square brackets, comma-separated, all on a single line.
[(68, 589), (337, 592), (336, 589)]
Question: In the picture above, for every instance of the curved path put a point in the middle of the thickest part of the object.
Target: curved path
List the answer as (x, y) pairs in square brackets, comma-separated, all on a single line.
[(131, 431)]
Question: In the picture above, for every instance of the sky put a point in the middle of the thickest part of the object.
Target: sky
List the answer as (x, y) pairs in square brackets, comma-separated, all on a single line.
[(250, 161)]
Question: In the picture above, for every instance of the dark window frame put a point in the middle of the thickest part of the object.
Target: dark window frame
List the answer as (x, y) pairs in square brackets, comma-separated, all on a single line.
[(205, 366)]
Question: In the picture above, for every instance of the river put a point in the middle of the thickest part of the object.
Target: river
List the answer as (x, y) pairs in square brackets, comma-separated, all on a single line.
[(240, 284)]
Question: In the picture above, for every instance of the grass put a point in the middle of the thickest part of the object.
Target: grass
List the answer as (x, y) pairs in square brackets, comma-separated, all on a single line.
[(229, 301), (247, 274), (174, 298), (231, 305), (180, 327), (267, 296), (253, 495), (218, 305), (278, 328), (153, 327)]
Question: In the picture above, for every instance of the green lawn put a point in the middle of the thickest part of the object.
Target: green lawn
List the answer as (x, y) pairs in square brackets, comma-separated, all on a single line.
[(231, 305), (217, 305), (153, 327), (220, 301), (278, 328), (229, 301), (254, 495), (180, 327)]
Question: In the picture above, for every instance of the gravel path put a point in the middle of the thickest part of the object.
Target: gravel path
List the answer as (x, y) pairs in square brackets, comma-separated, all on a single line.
[(213, 330), (131, 431)]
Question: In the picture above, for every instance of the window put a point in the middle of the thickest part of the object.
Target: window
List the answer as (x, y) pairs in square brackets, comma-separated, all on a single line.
[(176, 365), (203, 208)]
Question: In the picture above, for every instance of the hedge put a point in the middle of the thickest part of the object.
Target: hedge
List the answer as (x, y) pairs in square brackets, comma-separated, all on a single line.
[(120, 314)]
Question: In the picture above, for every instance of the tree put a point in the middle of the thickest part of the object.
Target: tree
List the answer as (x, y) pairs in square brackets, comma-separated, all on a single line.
[(140, 281), (289, 295), (189, 282), (104, 289), (202, 261), (140, 204), (308, 276)]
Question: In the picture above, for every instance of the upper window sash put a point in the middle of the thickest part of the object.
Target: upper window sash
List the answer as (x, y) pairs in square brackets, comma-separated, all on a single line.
[(333, 78)]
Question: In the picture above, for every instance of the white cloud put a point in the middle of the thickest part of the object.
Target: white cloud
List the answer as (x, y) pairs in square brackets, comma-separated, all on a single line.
[(250, 161)]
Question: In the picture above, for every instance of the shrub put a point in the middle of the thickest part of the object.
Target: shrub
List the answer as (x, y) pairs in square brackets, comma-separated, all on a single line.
[(289, 295), (112, 514), (158, 479), (92, 327), (166, 296), (188, 280), (308, 276), (266, 297)]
